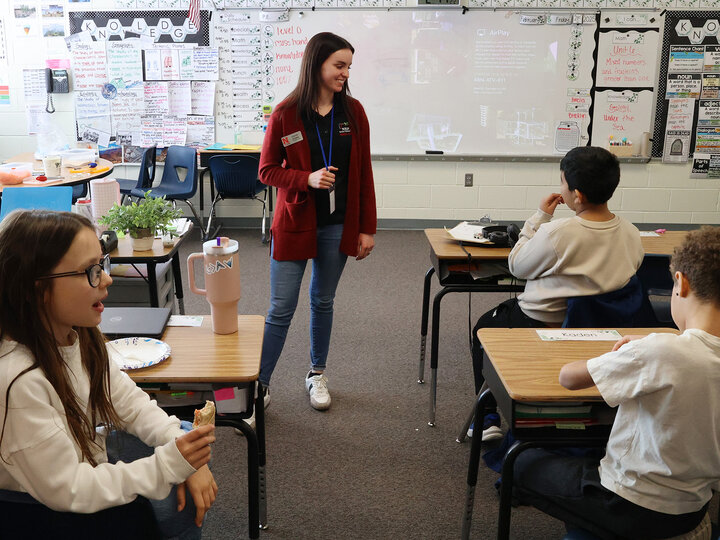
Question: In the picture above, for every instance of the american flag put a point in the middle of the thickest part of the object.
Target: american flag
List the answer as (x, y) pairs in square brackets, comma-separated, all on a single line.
[(194, 13)]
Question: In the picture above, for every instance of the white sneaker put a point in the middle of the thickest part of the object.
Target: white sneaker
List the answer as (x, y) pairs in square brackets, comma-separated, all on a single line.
[(317, 388)]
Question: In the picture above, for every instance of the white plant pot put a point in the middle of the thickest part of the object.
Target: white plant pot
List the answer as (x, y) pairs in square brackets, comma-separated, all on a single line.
[(144, 240)]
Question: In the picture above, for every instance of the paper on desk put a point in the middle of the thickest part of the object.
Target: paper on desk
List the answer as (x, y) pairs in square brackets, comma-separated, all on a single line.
[(467, 232), (185, 320), (578, 335), (648, 233)]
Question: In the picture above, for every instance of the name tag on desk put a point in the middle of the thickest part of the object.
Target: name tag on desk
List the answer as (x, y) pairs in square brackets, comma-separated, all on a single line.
[(293, 138)]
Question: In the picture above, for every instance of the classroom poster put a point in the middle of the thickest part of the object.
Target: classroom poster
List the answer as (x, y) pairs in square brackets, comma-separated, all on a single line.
[(124, 63), (678, 129), (200, 131), (89, 63)]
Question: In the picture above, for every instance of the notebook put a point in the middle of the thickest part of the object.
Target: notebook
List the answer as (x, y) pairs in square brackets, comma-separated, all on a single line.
[(119, 322)]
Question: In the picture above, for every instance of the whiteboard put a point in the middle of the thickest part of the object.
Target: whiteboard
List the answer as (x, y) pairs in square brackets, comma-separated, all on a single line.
[(474, 84)]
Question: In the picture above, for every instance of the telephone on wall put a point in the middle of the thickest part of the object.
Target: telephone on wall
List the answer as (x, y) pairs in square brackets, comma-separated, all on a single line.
[(56, 82)]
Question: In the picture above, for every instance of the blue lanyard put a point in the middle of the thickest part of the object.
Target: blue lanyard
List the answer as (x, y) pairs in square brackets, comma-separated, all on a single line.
[(327, 161)]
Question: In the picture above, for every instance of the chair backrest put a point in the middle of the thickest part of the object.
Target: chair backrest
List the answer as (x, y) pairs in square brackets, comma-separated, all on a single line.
[(36, 198), (624, 308), (146, 177), (175, 184), (235, 176)]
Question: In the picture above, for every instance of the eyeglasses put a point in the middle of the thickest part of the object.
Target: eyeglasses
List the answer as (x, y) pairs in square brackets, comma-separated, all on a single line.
[(93, 272)]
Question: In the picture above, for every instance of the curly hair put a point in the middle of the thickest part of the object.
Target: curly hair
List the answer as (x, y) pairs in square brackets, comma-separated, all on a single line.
[(699, 259)]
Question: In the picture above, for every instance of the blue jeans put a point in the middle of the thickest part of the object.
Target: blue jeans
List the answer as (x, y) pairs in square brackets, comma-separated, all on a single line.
[(285, 280), (122, 446)]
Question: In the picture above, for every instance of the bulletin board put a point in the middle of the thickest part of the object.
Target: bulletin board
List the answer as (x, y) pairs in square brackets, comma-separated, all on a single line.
[(687, 117), (142, 78)]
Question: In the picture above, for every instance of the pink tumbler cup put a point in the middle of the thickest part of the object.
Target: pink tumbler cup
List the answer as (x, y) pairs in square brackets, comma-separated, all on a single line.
[(222, 282)]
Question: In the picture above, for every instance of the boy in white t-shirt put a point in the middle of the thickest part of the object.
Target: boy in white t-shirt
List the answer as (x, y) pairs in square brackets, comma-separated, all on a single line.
[(662, 458), (591, 253)]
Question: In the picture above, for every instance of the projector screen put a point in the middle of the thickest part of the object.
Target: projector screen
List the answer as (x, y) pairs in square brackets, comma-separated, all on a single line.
[(480, 83)]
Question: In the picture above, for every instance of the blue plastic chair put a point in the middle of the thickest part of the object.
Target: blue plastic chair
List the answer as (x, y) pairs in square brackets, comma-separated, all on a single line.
[(57, 198), (236, 177), (146, 176), (173, 185)]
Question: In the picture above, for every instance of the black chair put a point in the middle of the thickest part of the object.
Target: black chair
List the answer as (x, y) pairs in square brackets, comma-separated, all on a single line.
[(236, 177), (79, 191), (179, 180), (146, 177)]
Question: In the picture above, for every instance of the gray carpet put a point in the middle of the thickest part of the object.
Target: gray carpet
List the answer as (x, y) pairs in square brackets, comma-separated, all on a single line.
[(370, 467)]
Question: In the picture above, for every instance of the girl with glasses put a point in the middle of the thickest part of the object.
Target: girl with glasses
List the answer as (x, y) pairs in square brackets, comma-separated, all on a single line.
[(317, 153), (60, 395)]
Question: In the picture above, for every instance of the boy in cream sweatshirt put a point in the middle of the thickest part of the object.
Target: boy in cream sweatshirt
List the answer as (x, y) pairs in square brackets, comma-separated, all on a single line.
[(591, 253)]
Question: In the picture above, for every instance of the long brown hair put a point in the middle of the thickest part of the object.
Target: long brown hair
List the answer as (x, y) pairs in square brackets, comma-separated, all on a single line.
[(307, 91), (32, 243)]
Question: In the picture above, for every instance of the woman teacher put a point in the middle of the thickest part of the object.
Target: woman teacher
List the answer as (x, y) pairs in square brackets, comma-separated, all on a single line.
[(317, 153)]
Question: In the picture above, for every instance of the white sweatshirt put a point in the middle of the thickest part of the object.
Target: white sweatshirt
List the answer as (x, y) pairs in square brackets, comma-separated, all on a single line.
[(40, 456), (572, 257)]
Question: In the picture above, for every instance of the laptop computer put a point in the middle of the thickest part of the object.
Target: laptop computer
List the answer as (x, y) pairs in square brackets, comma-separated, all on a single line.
[(120, 322)]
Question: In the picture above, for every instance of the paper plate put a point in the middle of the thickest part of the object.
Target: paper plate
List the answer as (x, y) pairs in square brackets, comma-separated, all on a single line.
[(138, 352)]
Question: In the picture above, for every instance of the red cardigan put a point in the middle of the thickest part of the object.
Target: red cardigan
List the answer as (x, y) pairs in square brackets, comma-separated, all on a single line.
[(294, 227)]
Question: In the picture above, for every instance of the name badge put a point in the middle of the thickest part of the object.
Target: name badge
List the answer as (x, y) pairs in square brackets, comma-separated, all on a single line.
[(293, 138), (344, 128)]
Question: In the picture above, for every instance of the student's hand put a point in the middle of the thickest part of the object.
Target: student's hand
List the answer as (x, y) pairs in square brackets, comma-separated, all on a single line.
[(549, 203), (322, 178), (203, 490), (625, 339), (366, 243), (195, 445)]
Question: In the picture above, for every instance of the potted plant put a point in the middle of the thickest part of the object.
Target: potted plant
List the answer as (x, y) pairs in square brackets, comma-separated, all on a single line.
[(142, 220)]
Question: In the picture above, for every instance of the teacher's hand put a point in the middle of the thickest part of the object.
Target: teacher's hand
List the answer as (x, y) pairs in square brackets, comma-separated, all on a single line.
[(322, 178), (366, 243)]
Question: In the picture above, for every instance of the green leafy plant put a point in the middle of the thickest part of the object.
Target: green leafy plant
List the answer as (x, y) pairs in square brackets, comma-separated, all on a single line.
[(154, 213)]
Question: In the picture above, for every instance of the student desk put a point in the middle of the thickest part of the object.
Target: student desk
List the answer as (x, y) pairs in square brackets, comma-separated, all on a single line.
[(68, 178), (124, 254), (520, 367), (201, 356), (445, 252)]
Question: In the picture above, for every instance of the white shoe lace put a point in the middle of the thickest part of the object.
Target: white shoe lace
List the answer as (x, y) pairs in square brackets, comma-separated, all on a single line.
[(319, 386)]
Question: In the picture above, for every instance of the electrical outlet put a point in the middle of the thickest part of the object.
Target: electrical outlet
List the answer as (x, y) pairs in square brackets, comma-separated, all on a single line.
[(468, 179)]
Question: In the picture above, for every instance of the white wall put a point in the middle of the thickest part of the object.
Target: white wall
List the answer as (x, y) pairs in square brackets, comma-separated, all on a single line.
[(648, 193)]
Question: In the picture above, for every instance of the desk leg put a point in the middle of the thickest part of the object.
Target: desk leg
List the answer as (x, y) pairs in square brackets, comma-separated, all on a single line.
[(434, 351), (473, 465), (177, 277), (253, 477), (152, 283), (201, 190), (260, 431), (424, 323), (463, 433)]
